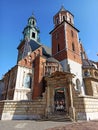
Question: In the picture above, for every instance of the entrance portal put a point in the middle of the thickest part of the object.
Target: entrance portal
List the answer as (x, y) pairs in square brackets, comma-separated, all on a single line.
[(59, 100)]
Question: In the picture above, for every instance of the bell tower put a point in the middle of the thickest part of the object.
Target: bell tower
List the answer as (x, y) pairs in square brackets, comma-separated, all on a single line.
[(31, 31), (65, 43)]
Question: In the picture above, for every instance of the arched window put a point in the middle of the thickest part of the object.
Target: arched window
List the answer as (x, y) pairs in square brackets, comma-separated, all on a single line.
[(96, 74), (27, 81), (78, 86), (64, 18), (86, 73), (49, 70), (73, 47)]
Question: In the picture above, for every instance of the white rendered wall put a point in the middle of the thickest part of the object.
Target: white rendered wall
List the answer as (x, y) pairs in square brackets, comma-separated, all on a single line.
[(92, 116), (64, 64), (22, 93), (76, 69)]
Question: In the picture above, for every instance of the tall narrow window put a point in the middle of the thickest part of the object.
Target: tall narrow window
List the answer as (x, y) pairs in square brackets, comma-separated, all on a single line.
[(63, 18), (58, 48), (78, 85), (72, 34), (70, 20), (49, 70), (38, 52), (27, 81), (34, 54), (33, 34), (57, 21), (33, 22), (73, 47)]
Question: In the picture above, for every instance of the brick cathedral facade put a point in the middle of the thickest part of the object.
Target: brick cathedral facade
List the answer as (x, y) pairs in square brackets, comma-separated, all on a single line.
[(62, 76)]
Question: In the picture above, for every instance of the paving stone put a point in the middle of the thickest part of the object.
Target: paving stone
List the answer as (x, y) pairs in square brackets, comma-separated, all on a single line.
[(47, 125), (91, 125)]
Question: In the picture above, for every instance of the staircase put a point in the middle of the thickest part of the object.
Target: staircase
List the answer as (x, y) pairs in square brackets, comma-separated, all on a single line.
[(59, 117)]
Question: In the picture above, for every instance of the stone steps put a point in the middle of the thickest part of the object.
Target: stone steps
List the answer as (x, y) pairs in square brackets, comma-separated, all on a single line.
[(23, 109), (58, 118)]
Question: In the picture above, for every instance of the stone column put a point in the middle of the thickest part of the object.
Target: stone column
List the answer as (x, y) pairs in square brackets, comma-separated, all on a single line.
[(72, 108), (47, 101)]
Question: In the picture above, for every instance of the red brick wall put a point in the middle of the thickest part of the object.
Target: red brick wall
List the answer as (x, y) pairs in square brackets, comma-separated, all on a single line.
[(61, 55), (73, 55), (38, 76), (58, 37), (83, 52), (66, 47), (36, 59), (9, 83), (27, 61)]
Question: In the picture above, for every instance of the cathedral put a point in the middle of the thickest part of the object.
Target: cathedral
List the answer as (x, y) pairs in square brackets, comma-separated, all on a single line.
[(51, 81)]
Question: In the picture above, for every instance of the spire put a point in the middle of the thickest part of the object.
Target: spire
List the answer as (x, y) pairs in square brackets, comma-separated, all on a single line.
[(62, 8), (33, 16)]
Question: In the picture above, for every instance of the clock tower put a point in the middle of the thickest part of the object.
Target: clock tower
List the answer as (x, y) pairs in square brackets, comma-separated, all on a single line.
[(66, 46)]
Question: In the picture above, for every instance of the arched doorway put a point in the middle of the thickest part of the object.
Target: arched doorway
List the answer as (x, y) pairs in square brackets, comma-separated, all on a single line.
[(59, 100)]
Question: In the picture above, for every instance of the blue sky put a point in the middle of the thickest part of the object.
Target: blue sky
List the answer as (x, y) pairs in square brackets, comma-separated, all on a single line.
[(13, 19)]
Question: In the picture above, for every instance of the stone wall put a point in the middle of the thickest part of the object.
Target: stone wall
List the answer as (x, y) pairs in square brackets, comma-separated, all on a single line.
[(10, 110), (86, 107)]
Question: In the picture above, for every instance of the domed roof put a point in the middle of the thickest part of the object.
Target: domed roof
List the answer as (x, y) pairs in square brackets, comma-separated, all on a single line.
[(88, 64), (51, 59)]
